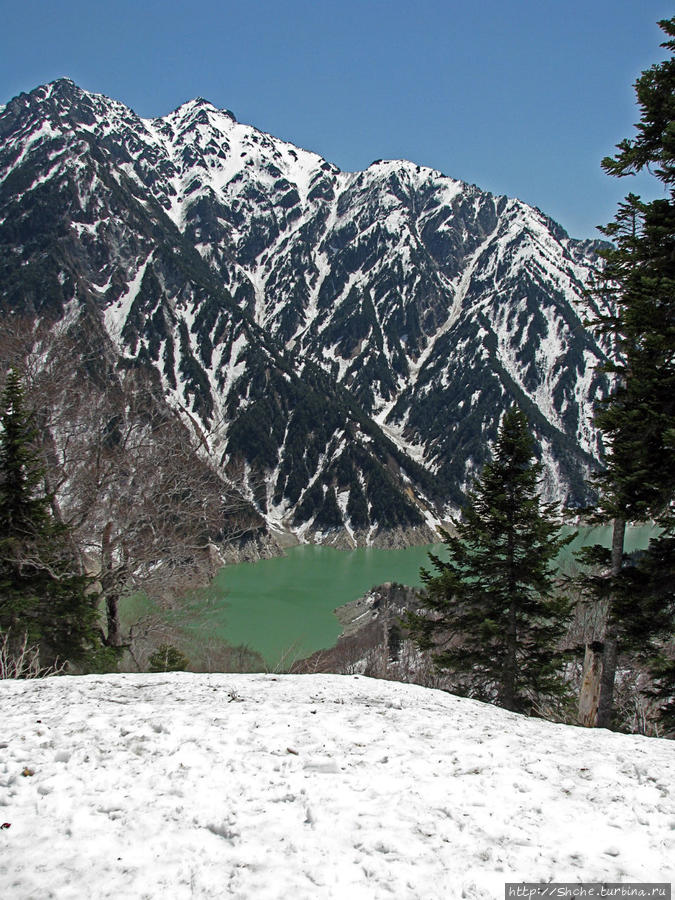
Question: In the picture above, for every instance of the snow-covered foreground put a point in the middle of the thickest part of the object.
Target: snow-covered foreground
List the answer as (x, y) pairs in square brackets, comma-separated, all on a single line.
[(315, 786)]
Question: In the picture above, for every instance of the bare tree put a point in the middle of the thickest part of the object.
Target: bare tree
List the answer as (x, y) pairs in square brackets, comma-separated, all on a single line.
[(146, 509), (19, 659)]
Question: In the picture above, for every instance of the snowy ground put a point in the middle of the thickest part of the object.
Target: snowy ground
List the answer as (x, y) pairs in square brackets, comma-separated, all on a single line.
[(316, 786)]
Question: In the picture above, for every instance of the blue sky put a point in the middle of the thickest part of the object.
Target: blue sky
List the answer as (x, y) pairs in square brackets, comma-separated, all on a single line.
[(519, 97)]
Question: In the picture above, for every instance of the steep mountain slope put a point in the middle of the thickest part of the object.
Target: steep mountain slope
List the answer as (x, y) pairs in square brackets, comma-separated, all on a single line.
[(343, 342)]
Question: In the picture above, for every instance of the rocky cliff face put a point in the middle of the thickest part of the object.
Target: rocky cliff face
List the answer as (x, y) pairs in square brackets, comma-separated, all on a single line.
[(374, 639), (343, 343)]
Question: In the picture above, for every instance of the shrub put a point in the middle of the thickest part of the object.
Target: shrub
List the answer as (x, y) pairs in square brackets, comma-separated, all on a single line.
[(168, 658)]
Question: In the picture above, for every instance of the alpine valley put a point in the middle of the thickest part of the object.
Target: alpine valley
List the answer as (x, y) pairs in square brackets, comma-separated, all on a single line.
[(341, 344)]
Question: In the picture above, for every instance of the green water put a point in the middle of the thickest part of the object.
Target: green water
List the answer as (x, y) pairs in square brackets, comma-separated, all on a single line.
[(283, 607)]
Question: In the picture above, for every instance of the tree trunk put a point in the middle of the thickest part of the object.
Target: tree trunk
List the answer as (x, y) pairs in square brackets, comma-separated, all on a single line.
[(114, 637), (78, 562), (508, 690), (610, 654), (589, 694), (109, 589), (597, 682)]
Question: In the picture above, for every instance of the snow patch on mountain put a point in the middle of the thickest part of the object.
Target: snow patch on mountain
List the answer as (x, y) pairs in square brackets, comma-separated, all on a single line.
[(117, 313)]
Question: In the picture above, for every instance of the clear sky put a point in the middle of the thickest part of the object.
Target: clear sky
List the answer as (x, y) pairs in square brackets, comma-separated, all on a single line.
[(521, 97)]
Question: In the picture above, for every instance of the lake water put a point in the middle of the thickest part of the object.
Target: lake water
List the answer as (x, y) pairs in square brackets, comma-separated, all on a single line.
[(284, 607)]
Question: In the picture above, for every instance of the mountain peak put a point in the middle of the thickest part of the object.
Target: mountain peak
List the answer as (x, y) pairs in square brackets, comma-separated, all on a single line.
[(200, 105), (63, 81), (64, 88)]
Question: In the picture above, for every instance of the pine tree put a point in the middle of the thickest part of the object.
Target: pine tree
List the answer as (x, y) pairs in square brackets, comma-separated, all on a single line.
[(43, 595), (168, 658), (638, 417), (646, 613), (491, 617)]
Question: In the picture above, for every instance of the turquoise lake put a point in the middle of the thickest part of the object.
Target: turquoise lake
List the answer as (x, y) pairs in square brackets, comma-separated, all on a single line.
[(283, 607)]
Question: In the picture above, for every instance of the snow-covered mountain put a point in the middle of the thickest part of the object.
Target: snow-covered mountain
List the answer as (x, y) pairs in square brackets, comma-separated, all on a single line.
[(350, 339), (318, 786)]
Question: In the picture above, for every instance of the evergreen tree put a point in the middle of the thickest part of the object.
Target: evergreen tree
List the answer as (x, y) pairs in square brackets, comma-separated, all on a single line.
[(638, 417), (646, 613), (168, 658), (42, 592), (490, 614)]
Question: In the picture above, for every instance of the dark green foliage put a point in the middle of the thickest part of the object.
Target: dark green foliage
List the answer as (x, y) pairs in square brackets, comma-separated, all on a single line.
[(372, 376), (353, 322), (491, 616), (329, 515), (642, 612), (663, 675), (395, 640), (21, 512), (170, 362), (252, 437), (42, 589), (399, 363), (357, 507), (645, 612), (146, 301), (638, 416), (196, 381), (168, 658), (312, 501), (101, 660), (390, 507), (654, 146)]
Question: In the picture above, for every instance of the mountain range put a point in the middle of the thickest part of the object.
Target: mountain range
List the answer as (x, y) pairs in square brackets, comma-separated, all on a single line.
[(343, 344)]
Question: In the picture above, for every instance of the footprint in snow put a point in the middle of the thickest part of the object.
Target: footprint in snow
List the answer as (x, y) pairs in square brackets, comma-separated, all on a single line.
[(327, 767)]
